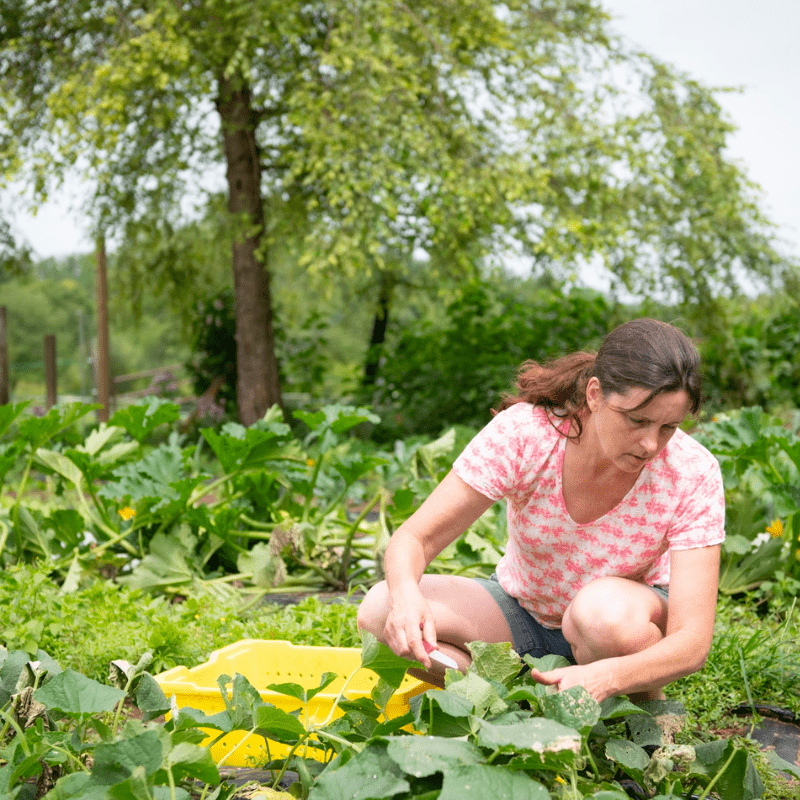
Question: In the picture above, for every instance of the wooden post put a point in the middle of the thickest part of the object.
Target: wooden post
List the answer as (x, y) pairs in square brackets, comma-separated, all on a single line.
[(5, 389), (103, 381), (50, 370)]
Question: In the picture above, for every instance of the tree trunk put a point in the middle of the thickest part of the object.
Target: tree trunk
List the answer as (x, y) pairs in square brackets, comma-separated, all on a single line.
[(379, 325), (257, 383)]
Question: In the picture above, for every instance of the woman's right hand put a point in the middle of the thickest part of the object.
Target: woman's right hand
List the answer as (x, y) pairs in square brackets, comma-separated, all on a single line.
[(410, 621)]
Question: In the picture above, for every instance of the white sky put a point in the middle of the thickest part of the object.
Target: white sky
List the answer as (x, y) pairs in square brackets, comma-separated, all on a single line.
[(754, 44)]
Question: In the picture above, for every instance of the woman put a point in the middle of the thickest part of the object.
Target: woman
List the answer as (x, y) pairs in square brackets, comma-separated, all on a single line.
[(609, 503)]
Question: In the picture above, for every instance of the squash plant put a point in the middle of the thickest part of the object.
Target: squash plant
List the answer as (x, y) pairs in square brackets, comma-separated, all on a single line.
[(261, 506), (491, 732)]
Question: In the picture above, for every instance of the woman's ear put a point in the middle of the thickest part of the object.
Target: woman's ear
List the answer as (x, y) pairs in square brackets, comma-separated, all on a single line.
[(594, 394)]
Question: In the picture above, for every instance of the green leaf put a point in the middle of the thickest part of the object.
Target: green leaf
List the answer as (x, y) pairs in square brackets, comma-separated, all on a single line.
[(60, 464), (382, 661), (780, 764), (369, 775), (150, 699), (351, 468), (260, 562), (482, 694), (574, 707), (274, 723), (158, 479), (99, 438), (629, 755), (442, 713), (38, 430), (75, 694), (644, 730), (9, 412), (192, 761), (68, 525), (616, 707), (193, 718), (239, 448), (495, 661), (77, 786), (167, 564), (482, 781), (116, 761), (546, 663), (138, 787), (141, 420), (735, 773), (425, 755), (537, 737)]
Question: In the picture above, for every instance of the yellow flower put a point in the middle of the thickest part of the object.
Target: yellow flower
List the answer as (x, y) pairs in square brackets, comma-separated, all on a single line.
[(559, 779), (126, 513), (775, 529), (310, 462)]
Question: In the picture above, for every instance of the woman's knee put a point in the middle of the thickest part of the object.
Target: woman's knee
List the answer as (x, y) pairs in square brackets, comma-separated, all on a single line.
[(374, 609), (614, 616)]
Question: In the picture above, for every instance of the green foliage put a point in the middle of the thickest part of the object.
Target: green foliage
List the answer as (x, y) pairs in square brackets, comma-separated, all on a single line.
[(754, 659), (760, 460), (510, 128), (750, 355), (454, 370), (57, 296), (68, 624), (472, 744), (276, 508)]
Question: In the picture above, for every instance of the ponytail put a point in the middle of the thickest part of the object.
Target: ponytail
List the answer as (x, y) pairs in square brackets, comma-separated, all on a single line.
[(643, 353), (558, 386)]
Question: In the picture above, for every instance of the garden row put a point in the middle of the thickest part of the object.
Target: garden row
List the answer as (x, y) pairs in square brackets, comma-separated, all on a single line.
[(273, 507)]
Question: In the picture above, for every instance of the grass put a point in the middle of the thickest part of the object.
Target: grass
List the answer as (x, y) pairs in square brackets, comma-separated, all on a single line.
[(87, 629), (754, 660)]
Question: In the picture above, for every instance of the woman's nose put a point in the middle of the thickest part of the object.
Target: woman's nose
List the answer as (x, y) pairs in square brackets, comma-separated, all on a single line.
[(649, 441)]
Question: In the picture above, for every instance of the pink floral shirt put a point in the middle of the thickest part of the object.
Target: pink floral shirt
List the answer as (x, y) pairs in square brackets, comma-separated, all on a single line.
[(677, 503)]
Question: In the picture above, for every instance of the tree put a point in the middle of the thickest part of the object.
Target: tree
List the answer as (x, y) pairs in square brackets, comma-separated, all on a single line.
[(452, 130), (15, 255)]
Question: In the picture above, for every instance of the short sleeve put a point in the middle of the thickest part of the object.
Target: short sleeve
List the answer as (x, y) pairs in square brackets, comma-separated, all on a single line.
[(700, 518), (501, 458)]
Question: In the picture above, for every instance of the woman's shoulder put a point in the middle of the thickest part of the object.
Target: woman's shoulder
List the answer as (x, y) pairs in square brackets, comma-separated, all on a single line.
[(530, 417), (687, 459)]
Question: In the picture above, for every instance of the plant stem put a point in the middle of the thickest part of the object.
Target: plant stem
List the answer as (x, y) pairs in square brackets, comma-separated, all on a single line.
[(312, 485), (288, 757), (10, 721), (15, 509), (4, 536), (352, 532), (717, 776)]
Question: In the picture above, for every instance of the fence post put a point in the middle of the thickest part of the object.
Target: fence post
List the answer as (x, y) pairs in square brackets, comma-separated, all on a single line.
[(5, 389), (50, 371), (103, 381)]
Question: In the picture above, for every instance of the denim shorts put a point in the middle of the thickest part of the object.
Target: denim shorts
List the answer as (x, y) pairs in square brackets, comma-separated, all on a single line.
[(531, 637)]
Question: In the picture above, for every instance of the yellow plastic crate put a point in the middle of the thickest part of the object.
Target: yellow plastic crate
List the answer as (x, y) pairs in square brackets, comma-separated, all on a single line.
[(266, 662)]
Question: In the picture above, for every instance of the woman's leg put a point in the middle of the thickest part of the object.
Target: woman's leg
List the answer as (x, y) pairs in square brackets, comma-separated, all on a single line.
[(464, 612), (615, 617)]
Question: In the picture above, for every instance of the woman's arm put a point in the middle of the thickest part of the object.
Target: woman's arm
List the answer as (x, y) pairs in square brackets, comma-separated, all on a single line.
[(682, 651), (449, 510)]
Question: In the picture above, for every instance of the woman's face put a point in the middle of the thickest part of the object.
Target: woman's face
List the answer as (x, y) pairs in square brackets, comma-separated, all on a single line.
[(629, 436)]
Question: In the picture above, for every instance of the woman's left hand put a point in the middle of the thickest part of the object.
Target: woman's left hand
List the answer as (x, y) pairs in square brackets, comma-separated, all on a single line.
[(596, 678)]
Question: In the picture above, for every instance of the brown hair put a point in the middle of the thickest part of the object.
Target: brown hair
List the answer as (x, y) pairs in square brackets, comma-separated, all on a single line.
[(644, 353)]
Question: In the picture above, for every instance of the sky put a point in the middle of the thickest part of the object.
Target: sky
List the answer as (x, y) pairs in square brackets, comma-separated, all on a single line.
[(752, 44)]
